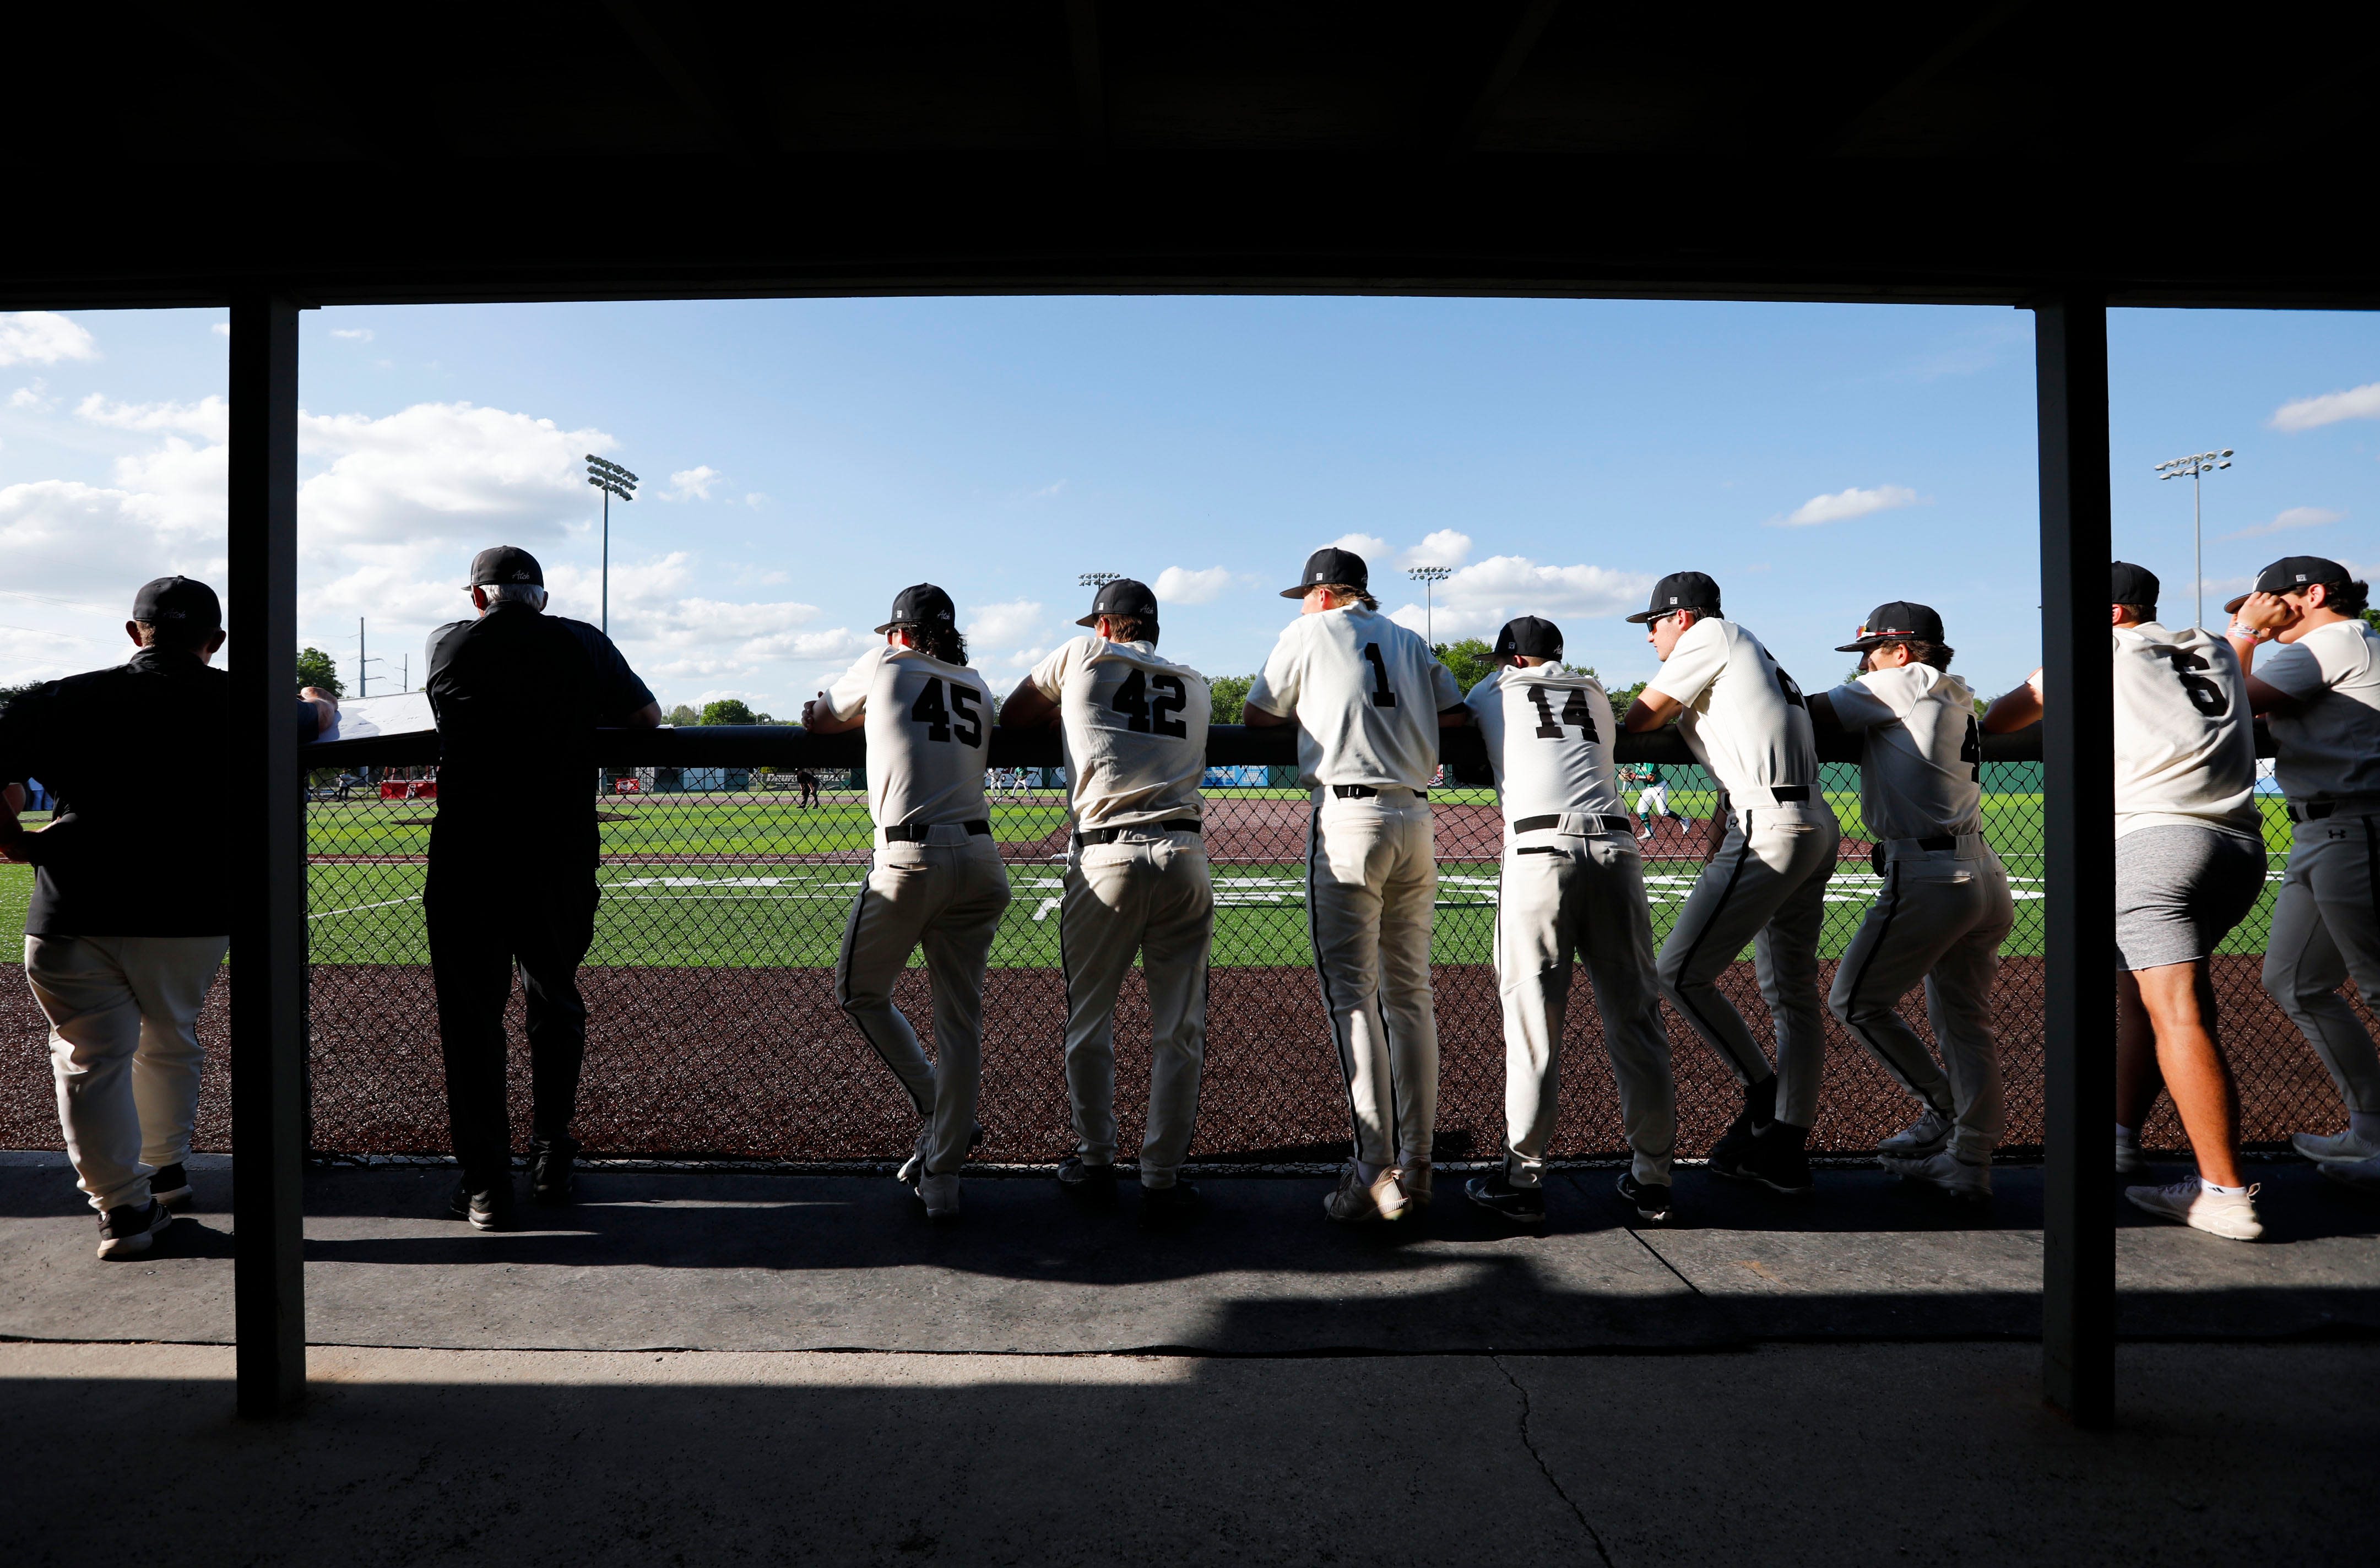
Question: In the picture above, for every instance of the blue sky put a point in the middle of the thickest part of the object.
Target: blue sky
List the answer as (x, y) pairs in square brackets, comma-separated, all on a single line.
[(802, 460)]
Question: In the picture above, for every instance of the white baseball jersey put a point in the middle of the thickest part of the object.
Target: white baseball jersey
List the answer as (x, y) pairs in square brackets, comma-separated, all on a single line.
[(1922, 757), (2185, 746), (2330, 747), (1135, 727), (1745, 719), (928, 732), (1366, 693), (1548, 737)]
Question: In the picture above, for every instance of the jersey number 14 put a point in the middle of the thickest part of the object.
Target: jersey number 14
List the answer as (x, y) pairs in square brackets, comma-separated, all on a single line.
[(1573, 711)]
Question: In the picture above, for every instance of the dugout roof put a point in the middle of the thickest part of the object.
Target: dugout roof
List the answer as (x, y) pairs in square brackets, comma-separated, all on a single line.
[(542, 150)]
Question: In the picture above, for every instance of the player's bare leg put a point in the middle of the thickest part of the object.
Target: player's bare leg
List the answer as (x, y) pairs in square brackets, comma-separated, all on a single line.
[(2178, 1000), (2138, 1081)]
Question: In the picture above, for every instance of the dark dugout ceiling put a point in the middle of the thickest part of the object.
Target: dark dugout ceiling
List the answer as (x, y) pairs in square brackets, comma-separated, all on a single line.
[(636, 148)]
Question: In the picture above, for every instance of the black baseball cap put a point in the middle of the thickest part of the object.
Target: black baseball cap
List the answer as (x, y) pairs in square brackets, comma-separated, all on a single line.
[(921, 605), (1332, 566), (1679, 591), (505, 564), (2131, 585), (1528, 637), (1121, 597), (186, 600), (1893, 623), (2291, 573)]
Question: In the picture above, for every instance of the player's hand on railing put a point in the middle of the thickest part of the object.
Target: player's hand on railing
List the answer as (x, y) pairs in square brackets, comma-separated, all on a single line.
[(12, 832)]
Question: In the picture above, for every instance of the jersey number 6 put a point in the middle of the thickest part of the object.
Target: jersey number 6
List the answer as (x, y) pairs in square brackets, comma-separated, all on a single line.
[(964, 712), (2205, 695)]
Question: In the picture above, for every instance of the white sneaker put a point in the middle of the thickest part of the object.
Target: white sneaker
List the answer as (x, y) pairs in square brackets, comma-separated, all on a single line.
[(940, 1194), (2128, 1156), (914, 1166), (2339, 1149), (2362, 1175), (1930, 1134), (1968, 1180), (1355, 1199), (2228, 1214)]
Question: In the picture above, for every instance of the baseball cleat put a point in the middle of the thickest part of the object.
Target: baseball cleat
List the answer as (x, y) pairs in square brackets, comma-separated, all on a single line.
[(1969, 1181), (941, 1195), (1413, 1180), (128, 1232), (1495, 1192), (914, 1166), (1930, 1134), (1650, 1199), (1356, 1200), (2341, 1149), (171, 1186), (1775, 1159), (2362, 1175), (1160, 1207), (1092, 1184), (2231, 1215), (2128, 1160)]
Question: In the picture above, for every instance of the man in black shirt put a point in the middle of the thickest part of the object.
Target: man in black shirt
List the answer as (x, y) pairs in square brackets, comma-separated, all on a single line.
[(131, 912), (518, 695)]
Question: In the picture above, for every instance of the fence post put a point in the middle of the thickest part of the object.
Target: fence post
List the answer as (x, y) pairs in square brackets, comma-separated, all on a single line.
[(2078, 1336), (268, 875)]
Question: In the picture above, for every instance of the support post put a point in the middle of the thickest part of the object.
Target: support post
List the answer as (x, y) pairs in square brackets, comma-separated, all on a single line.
[(268, 930), (2078, 1336)]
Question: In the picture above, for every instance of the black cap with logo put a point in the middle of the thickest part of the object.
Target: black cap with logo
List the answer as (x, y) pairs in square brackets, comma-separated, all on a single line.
[(2293, 573), (505, 564), (1895, 621), (186, 600), (1332, 566), (922, 605), (1528, 637), (2131, 585), (1121, 597), (1679, 591)]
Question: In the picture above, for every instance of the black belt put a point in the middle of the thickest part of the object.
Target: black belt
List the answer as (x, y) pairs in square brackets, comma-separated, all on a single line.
[(979, 827), (1877, 855), (1789, 794), (1363, 792), (2315, 811), (1109, 835), (1608, 824)]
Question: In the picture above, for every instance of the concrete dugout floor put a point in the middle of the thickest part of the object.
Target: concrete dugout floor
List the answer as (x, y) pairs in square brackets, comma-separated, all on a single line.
[(699, 1367)]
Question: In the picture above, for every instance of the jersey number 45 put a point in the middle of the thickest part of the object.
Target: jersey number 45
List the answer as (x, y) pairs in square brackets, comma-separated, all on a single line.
[(962, 712)]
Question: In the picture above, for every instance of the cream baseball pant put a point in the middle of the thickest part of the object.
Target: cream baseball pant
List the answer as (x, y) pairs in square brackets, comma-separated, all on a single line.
[(1940, 919), (947, 894), (124, 1050), (1372, 892), (1579, 891), (2326, 929), (1766, 886), (1146, 893)]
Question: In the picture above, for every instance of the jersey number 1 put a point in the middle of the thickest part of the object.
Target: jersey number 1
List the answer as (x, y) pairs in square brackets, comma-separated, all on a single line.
[(1382, 696)]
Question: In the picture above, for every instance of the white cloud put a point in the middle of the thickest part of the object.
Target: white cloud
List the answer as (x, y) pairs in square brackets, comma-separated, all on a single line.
[(2311, 413), (33, 397), (756, 499), (1847, 504), (2294, 518), (443, 472), (1016, 620), (1370, 546), (1046, 493), (1178, 585), (693, 484), (1477, 600), (1447, 547), (209, 419), (221, 329), (43, 337), (353, 335)]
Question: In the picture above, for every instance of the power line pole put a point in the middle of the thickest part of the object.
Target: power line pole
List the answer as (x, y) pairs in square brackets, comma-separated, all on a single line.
[(2194, 468), (363, 665), (611, 480)]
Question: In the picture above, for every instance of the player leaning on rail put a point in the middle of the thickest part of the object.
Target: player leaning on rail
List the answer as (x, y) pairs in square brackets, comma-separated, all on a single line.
[(1134, 729)]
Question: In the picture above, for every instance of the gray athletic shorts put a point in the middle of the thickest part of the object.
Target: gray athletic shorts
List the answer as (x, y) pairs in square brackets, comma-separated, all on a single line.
[(2179, 891)]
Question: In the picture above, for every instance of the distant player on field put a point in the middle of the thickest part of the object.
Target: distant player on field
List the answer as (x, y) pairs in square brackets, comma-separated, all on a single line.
[(936, 878), (1749, 724), (1368, 697), (1134, 726), (1652, 800), (1945, 907), (1571, 881)]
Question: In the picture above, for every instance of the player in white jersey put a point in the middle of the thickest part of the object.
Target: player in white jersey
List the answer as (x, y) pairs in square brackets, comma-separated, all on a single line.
[(1368, 697), (2190, 864), (1653, 801), (1749, 724), (1571, 881), (2321, 689), (1944, 909), (936, 878), (1134, 726)]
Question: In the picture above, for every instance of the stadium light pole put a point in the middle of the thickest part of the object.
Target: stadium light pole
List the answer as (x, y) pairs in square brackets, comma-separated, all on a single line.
[(1097, 580), (1429, 578), (2194, 468), (611, 480)]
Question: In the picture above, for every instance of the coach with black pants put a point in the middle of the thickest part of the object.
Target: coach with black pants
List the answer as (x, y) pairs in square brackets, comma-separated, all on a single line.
[(518, 695), (130, 915)]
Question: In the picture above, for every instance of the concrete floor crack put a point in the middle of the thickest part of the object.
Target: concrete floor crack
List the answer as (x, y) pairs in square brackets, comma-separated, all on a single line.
[(1546, 1470)]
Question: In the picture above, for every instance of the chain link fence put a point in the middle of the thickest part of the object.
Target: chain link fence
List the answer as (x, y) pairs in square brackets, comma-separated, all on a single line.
[(715, 1035)]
